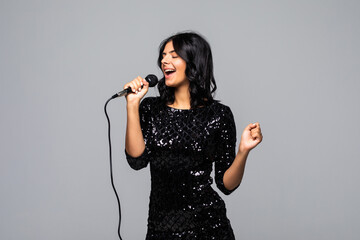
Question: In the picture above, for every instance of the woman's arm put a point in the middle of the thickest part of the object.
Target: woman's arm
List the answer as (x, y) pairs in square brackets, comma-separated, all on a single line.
[(134, 140), (250, 138)]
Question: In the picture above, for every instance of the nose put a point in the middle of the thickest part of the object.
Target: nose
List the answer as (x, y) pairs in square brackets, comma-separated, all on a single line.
[(165, 59)]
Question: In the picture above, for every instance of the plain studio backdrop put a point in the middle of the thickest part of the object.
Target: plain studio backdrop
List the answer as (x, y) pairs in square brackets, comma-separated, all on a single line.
[(291, 65)]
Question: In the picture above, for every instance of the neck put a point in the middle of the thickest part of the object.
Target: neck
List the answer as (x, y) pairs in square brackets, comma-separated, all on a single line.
[(182, 98)]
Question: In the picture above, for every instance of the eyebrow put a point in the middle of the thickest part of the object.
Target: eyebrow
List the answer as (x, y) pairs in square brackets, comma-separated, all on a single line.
[(172, 51)]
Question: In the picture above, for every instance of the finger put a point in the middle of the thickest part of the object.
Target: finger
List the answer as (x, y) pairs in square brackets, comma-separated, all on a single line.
[(257, 125), (126, 85), (255, 130), (258, 129), (137, 82), (251, 126), (145, 83), (131, 84), (257, 135)]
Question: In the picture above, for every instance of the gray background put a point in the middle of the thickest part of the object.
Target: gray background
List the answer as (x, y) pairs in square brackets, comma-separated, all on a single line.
[(291, 65)]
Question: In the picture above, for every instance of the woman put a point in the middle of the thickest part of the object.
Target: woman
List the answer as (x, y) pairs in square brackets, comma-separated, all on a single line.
[(181, 133)]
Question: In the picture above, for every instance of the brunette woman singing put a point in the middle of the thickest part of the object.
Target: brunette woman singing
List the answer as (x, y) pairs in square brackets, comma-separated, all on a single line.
[(181, 134)]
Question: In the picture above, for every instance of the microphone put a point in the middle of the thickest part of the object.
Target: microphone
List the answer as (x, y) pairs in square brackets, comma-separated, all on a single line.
[(151, 79)]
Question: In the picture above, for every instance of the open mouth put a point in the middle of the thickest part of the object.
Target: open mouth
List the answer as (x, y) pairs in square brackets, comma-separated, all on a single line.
[(169, 72)]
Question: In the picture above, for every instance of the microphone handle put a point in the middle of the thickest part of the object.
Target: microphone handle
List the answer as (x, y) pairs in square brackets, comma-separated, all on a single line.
[(122, 93), (151, 79)]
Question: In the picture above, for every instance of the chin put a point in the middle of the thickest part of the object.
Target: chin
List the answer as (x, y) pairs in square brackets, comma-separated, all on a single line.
[(168, 83)]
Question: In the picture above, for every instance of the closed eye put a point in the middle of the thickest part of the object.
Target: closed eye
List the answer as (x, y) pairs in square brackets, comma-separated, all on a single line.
[(170, 52)]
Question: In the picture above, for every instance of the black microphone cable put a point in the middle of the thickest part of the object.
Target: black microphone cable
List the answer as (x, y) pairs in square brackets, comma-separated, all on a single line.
[(111, 168), (152, 80)]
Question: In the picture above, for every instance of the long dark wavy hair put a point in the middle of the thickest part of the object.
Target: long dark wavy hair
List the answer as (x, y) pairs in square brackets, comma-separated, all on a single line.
[(196, 52)]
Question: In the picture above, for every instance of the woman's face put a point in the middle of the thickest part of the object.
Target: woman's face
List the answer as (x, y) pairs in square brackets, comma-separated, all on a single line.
[(173, 67)]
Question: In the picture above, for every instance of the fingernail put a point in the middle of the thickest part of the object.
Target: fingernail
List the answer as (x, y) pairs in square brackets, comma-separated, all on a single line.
[(139, 89), (136, 92)]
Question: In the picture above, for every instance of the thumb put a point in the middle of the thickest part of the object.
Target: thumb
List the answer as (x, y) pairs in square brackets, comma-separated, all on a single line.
[(145, 84)]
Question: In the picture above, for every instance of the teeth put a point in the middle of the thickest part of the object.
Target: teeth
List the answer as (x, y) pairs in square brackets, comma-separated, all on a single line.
[(169, 70)]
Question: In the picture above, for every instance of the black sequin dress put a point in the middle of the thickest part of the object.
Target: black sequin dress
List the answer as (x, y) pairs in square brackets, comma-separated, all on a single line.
[(181, 146)]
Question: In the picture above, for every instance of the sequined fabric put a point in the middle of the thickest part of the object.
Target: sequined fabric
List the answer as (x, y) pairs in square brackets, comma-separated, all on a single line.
[(181, 147)]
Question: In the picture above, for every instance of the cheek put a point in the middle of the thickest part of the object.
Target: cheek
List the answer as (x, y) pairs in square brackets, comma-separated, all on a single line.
[(183, 71), (183, 68)]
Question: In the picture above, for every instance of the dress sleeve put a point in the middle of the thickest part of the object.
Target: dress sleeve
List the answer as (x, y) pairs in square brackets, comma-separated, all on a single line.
[(225, 152), (141, 161)]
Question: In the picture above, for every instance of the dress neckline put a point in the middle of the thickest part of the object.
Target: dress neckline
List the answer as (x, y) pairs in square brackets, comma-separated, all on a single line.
[(187, 109), (179, 109)]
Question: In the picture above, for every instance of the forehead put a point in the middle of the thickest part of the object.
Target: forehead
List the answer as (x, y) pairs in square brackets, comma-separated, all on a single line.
[(169, 47)]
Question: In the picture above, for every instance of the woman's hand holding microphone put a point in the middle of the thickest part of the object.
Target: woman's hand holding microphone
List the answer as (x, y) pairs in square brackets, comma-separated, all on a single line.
[(139, 87)]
